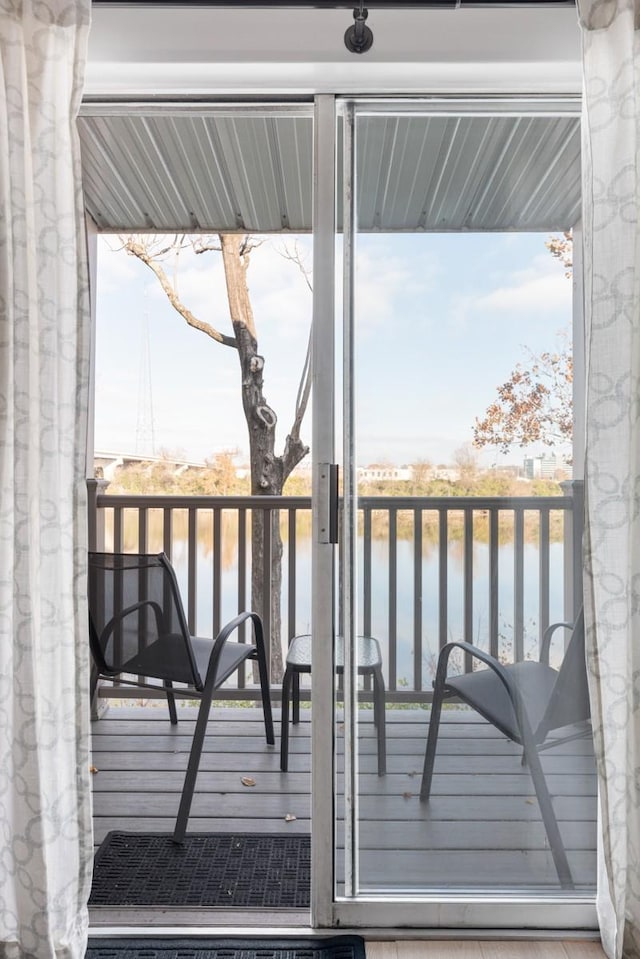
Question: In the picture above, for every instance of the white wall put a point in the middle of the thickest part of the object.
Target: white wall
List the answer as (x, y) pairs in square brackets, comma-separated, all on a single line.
[(142, 50)]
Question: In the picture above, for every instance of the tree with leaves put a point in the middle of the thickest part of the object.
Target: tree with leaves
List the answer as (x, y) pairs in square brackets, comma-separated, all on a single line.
[(269, 470), (535, 403)]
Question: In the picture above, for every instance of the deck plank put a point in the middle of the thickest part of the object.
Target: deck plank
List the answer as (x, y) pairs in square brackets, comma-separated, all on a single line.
[(404, 785)]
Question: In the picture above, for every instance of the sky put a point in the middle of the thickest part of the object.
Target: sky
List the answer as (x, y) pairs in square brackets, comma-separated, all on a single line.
[(441, 321)]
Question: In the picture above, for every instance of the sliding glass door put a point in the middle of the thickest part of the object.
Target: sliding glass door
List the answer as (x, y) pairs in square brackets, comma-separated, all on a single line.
[(446, 288)]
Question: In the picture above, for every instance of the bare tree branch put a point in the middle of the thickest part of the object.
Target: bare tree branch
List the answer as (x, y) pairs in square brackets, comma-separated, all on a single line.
[(200, 244), (295, 450), (137, 246), (297, 257)]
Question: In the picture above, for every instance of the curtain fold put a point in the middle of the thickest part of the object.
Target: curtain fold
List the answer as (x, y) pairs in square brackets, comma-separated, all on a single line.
[(45, 802), (611, 118)]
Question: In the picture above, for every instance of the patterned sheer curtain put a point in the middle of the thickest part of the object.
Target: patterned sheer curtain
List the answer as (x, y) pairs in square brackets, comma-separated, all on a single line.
[(45, 811), (611, 118)]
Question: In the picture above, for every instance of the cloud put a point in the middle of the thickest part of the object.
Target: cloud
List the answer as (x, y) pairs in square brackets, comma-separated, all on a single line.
[(541, 288), (549, 293), (381, 277)]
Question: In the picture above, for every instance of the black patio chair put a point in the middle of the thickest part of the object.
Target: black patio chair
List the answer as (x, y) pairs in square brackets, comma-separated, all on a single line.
[(525, 701), (138, 632)]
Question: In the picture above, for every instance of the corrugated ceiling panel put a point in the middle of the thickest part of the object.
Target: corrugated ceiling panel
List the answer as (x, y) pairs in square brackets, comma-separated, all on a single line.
[(198, 173), (254, 173), (468, 173)]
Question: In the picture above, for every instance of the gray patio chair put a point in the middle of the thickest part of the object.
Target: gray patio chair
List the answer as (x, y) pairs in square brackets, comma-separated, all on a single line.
[(525, 701), (138, 632)]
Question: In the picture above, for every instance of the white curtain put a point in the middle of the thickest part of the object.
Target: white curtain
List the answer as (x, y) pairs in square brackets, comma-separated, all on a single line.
[(611, 118), (45, 806)]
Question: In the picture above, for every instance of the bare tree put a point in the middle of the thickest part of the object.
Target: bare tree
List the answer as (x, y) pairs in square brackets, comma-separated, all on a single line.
[(465, 459), (269, 470), (421, 472)]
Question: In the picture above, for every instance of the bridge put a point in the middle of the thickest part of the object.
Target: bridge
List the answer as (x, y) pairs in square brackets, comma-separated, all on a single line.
[(105, 464)]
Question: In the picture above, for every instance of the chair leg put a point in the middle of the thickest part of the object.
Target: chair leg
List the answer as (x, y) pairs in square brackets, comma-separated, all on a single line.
[(263, 671), (93, 691), (296, 697), (193, 764), (171, 702), (379, 719), (548, 816), (284, 726), (432, 739)]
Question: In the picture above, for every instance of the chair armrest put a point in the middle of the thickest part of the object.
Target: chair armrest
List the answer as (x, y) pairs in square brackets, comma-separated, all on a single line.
[(486, 658), (226, 632), (510, 686), (237, 621), (119, 617), (547, 637)]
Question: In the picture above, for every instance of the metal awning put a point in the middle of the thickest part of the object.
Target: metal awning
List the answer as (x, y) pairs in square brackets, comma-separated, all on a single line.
[(181, 168)]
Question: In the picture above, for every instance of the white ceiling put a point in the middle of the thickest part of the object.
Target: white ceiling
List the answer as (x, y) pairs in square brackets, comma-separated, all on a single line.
[(148, 50)]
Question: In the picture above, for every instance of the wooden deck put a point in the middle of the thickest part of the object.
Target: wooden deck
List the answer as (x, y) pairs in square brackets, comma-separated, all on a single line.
[(481, 829)]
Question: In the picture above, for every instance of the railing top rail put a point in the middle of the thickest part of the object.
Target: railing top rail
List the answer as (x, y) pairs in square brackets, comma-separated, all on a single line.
[(154, 501), (162, 501), (466, 502)]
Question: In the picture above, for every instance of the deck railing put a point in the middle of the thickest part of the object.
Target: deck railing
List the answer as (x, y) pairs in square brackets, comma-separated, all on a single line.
[(493, 570)]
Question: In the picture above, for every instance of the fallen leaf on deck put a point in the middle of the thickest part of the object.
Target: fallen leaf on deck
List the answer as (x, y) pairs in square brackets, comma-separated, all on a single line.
[(248, 781), (407, 795), (93, 769), (531, 802), (290, 817)]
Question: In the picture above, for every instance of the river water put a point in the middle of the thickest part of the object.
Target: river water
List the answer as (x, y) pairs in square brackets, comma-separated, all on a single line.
[(404, 623)]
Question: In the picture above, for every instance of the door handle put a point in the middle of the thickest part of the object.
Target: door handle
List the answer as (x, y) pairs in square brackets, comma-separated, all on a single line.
[(328, 503)]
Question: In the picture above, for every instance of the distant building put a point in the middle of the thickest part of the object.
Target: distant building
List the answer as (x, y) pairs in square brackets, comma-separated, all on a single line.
[(546, 467), (369, 474)]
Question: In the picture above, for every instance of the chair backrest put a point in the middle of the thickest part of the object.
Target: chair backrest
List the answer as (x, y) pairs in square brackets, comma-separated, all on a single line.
[(137, 623), (569, 700)]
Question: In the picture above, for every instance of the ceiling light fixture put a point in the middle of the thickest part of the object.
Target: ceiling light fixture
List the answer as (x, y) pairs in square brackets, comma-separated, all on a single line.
[(359, 38)]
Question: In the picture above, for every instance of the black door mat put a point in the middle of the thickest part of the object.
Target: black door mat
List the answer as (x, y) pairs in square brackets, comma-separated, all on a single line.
[(332, 947), (209, 869)]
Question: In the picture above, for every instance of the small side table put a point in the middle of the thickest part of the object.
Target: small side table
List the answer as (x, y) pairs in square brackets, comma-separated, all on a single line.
[(299, 661)]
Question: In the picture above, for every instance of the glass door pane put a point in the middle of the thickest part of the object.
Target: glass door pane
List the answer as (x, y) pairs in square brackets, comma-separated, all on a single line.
[(450, 290)]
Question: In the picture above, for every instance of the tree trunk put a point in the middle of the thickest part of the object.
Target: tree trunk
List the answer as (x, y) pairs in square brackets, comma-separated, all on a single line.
[(273, 583), (267, 469)]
